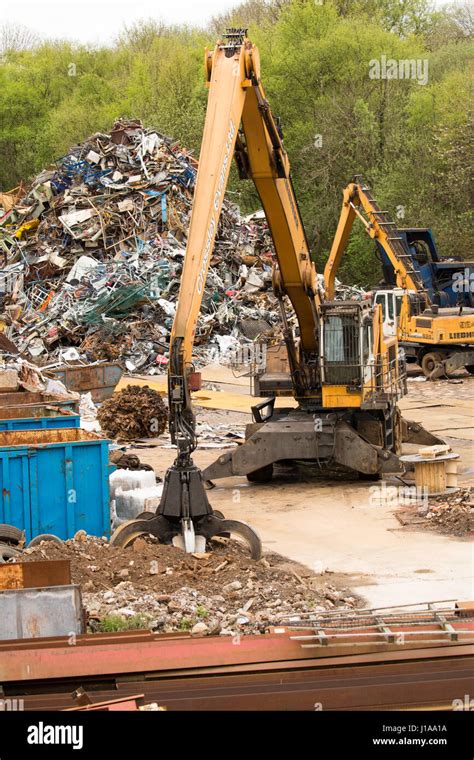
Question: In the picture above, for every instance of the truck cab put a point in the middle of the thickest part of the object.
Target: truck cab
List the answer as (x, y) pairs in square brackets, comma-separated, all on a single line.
[(391, 303)]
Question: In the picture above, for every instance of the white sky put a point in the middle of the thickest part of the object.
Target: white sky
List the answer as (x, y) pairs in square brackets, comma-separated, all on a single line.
[(99, 21)]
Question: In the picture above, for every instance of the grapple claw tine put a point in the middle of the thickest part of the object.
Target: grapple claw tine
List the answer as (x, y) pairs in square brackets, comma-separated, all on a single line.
[(156, 525), (216, 526)]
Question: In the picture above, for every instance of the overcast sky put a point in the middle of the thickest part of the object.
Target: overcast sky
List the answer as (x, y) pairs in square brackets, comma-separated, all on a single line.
[(99, 21)]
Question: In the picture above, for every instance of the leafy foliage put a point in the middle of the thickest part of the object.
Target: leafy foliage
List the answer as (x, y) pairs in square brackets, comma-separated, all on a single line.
[(411, 141)]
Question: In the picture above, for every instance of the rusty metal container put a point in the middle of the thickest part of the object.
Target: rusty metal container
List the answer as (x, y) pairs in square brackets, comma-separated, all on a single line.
[(38, 612), (35, 574), (99, 379), (33, 398)]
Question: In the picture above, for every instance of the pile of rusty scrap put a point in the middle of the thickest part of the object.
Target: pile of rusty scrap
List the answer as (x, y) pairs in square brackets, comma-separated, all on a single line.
[(135, 412), (92, 252)]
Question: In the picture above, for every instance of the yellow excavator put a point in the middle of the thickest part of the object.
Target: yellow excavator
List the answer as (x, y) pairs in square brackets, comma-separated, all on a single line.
[(440, 338), (344, 375)]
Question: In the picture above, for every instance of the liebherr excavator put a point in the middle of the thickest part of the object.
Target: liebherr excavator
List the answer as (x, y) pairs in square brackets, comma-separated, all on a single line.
[(344, 375), (441, 338)]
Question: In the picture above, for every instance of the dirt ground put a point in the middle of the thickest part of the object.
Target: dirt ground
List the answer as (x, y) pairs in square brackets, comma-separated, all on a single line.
[(342, 527)]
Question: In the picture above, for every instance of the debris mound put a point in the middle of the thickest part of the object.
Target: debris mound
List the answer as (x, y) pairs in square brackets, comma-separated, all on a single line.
[(221, 591), (453, 514), (92, 253), (135, 412)]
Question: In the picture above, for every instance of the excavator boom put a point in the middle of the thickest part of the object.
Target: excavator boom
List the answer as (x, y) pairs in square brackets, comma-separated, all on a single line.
[(441, 339), (359, 202), (239, 121)]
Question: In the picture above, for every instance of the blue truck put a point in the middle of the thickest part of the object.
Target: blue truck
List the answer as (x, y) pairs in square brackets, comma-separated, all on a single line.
[(448, 282)]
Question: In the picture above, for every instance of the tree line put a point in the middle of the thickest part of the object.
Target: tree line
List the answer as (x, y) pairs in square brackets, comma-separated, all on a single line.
[(379, 88)]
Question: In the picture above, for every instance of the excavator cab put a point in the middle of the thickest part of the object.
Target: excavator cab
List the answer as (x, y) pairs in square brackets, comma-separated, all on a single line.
[(359, 366)]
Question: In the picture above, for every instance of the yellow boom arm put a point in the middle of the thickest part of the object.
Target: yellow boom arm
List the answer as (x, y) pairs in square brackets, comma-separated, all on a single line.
[(358, 201), (239, 120), (236, 96)]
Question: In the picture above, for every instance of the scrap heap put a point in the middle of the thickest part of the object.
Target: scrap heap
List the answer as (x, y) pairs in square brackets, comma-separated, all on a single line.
[(134, 412), (92, 255), (453, 513)]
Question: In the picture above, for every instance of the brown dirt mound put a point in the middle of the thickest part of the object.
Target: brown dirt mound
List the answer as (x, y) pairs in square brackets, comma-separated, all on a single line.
[(222, 588), (135, 412)]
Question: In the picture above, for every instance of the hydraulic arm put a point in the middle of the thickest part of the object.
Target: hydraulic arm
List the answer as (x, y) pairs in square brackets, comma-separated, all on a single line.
[(440, 338), (238, 122), (359, 202)]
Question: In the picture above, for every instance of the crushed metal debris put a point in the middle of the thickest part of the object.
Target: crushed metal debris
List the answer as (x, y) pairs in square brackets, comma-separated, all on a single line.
[(134, 412), (92, 252)]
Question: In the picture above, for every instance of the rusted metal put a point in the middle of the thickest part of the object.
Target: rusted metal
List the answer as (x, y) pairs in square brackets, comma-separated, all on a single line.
[(428, 680), (112, 705), (94, 655), (464, 609), (195, 381), (382, 670), (54, 572), (99, 379), (31, 438), (432, 622), (33, 410), (20, 398), (36, 612)]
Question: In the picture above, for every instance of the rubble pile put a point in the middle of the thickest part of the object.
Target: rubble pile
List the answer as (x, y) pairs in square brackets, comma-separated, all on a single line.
[(19, 375), (453, 514), (135, 412), (220, 591), (92, 256)]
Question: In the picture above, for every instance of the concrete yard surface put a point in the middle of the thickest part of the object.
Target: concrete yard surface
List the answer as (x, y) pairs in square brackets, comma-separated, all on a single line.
[(342, 527)]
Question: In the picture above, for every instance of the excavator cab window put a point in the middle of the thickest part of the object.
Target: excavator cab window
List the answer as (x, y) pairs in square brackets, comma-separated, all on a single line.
[(390, 306), (341, 349), (366, 342)]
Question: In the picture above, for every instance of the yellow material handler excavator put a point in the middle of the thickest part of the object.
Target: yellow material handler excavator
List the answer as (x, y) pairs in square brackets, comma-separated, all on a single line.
[(345, 376), (440, 338)]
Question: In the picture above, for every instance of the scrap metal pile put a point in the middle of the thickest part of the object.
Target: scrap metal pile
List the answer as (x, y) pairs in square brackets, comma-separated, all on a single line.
[(92, 252), (91, 257), (134, 412)]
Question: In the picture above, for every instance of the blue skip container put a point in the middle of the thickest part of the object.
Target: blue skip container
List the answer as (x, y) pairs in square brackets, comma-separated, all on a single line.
[(37, 417), (54, 481)]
